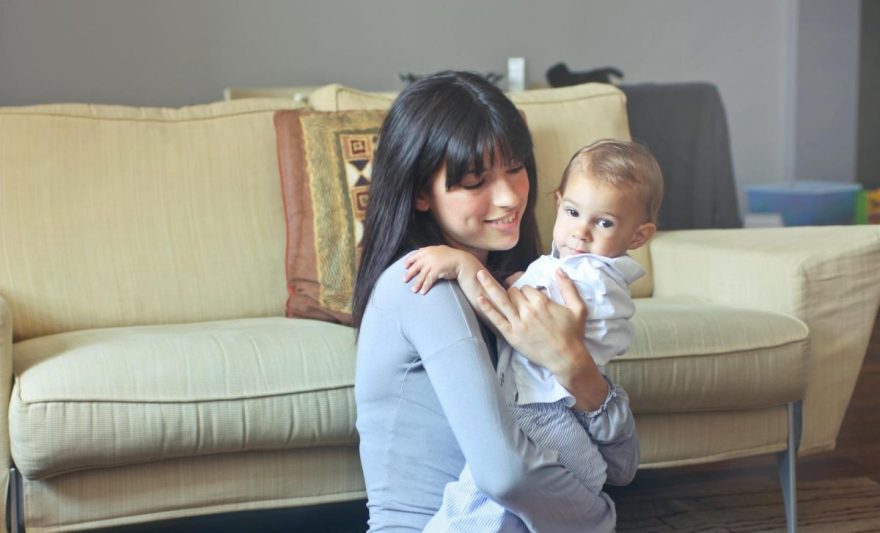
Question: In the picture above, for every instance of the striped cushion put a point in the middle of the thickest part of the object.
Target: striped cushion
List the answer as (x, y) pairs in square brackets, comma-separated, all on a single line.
[(119, 216)]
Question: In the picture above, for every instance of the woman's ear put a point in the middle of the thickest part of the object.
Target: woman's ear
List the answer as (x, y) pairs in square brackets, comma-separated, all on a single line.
[(422, 202), (642, 235)]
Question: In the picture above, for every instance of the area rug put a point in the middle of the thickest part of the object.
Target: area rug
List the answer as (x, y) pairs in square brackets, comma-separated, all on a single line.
[(834, 506)]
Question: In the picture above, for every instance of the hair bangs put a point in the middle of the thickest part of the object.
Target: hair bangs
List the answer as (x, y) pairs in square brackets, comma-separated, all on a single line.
[(480, 139)]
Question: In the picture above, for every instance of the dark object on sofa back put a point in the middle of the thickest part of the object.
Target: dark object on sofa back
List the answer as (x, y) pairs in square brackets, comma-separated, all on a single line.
[(685, 126)]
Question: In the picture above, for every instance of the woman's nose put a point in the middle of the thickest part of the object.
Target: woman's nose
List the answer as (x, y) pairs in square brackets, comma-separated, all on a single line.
[(504, 194)]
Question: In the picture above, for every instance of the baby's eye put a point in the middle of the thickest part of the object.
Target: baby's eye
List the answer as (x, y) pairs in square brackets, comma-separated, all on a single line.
[(604, 223), (571, 212)]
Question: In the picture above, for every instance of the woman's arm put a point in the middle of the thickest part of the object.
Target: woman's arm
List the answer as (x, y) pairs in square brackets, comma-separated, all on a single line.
[(506, 465)]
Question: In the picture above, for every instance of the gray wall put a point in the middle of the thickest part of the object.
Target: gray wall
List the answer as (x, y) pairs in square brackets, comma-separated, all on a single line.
[(827, 89), (178, 52)]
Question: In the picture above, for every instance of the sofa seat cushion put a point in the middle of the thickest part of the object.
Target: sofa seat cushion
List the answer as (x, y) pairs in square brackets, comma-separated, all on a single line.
[(106, 397), (691, 356)]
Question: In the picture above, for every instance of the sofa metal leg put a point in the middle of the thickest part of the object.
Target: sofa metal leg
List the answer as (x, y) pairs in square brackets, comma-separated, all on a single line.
[(14, 518), (786, 464)]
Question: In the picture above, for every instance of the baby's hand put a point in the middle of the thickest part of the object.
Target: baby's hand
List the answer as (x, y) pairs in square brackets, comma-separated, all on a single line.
[(433, 263)]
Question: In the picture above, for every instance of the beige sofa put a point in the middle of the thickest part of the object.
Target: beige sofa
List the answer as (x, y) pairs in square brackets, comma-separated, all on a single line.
[(148, 371)]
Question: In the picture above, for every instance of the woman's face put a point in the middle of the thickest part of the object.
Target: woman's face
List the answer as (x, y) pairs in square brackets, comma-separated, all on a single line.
[(484, 211)]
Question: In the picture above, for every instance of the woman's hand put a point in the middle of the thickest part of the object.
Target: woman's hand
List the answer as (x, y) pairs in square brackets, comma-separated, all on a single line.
[(511, 279), (549, 334)]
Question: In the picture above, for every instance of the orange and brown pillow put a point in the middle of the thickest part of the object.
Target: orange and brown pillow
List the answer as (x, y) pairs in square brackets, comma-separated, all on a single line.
[(325, 159)]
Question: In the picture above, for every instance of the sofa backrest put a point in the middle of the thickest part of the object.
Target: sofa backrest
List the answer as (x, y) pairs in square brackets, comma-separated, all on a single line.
[(561, 120), (114, 215)]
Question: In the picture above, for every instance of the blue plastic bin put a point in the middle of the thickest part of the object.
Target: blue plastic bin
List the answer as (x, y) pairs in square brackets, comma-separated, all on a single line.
[(806, 203)]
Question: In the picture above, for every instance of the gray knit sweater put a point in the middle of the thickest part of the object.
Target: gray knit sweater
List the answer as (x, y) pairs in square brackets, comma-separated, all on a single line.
[(428, 399)]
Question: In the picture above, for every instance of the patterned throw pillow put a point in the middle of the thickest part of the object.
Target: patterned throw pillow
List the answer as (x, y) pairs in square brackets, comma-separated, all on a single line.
[(325, 161)]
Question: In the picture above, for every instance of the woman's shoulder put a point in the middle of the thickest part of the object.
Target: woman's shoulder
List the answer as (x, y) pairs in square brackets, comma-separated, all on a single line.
[(391, 280), (442, 315), (392, 290)]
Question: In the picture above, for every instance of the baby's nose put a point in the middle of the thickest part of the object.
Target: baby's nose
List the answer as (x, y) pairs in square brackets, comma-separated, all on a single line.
[(583, 233)]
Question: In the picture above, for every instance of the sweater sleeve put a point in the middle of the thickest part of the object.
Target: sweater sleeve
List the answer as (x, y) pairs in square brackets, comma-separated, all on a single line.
[(507, 466)]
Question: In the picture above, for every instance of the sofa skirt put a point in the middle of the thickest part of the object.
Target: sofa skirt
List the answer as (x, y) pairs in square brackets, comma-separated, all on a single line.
[(179, 488), (224, 483)]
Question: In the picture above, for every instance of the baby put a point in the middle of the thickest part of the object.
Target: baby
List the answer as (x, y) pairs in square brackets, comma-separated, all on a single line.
[(607, 204)]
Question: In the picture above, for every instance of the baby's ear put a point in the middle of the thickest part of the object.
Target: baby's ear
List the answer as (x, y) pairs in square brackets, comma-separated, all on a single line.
[(642, 235), (557, 196)]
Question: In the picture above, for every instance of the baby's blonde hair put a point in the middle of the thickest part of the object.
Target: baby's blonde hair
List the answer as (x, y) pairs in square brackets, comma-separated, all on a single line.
[(621, 164)]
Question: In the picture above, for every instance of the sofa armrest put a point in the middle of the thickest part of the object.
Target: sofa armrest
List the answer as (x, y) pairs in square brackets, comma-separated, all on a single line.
[(5, 379), (5, 391), (829, 277)]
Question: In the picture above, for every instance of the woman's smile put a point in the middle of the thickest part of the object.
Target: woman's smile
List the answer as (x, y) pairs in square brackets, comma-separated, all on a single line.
[(508, 222)]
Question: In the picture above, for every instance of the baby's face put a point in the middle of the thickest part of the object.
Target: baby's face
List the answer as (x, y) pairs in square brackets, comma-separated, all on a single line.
[(595, 217)]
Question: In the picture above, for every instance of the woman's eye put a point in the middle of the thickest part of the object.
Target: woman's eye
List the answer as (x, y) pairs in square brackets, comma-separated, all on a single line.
[(472, 184), (604, 223), (472, 181), (516, 169)]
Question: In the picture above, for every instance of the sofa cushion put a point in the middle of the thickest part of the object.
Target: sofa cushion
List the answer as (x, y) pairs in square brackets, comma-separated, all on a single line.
[(125, 395), (134, 216), (692, 356), (561, 121), (117, 396), (336, 97), (325, 164)]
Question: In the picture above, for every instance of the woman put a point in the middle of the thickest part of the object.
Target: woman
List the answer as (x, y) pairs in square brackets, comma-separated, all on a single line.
[(455, 166)]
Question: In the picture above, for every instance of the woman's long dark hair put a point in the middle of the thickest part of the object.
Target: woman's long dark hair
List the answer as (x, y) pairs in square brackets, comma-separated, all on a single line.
[(452, 117)]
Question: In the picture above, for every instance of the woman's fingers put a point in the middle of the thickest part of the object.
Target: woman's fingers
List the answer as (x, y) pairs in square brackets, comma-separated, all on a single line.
[(570, 294), (496, 296), (494, 316), (533, 296)]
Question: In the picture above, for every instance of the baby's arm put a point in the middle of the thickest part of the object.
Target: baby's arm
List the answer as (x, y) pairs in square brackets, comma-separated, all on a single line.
[(432, 263)]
